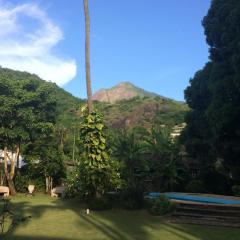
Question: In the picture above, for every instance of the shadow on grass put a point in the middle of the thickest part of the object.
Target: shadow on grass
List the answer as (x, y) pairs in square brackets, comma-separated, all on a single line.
[(108, 231), (39, 238), (112, 224), (206, 232)]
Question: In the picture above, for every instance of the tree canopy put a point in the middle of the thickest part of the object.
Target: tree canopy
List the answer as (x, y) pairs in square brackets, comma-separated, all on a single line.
[(28, 110), (213, 130)]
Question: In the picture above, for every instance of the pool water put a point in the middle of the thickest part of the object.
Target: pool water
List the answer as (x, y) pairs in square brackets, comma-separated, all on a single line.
[(194, 198)]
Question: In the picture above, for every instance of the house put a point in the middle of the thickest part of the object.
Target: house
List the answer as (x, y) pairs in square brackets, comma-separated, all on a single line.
[(177, 129)]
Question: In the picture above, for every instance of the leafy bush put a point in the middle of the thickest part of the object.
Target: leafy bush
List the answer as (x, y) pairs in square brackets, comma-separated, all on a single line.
[(160, 206), (216, 182), (23, 179), (73, 185), (195, 186), (131, 204), (236, 190), (114, 198), (133, 198), (21, 182), (39, 184), (99, 204)]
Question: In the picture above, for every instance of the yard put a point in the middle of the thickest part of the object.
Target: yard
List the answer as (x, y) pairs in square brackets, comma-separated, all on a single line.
[(66, 220)]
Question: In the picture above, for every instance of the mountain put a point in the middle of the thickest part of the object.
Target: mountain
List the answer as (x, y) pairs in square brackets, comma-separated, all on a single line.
[(144, 111), (129, 106), (122, 91)]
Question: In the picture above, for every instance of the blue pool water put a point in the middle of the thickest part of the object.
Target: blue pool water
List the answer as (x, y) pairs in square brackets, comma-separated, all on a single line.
[(194, 198)]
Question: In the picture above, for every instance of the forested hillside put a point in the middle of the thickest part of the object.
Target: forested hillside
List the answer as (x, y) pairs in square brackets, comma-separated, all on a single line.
[(143, 111), (140, 110), (67, 104), (43, 122)]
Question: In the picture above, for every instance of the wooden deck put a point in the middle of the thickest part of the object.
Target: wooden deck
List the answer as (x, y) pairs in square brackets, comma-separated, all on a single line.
[(210, 214)]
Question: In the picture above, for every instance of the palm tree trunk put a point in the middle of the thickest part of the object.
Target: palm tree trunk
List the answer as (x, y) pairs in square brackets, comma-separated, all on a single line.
[(87, 55)]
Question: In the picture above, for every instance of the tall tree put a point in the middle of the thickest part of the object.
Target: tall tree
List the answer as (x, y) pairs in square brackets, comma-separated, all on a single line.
[(87, 55), (27, 111), (214, 92), (198, 134)]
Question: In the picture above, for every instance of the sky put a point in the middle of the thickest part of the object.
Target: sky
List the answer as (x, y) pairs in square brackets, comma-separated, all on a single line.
[(157, 45)]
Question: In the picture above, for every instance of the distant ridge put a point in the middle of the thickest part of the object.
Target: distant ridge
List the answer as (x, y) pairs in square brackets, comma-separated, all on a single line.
[(122, 91), (133, 106)]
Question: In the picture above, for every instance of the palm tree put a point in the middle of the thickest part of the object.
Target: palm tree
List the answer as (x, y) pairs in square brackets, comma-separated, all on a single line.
[(127, 148), (87, 55), (164, 157)]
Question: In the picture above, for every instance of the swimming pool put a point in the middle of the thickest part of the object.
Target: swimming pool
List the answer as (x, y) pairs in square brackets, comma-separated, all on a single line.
[(194, 198)]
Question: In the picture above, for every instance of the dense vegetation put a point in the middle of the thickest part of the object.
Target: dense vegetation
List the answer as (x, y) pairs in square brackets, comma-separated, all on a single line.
[(33, 113), (50, 127), (110, 154), (121, 150), (27, 111), (212, 136)]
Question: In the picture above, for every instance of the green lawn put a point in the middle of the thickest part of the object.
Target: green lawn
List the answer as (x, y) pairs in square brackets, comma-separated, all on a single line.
[(66, 220)]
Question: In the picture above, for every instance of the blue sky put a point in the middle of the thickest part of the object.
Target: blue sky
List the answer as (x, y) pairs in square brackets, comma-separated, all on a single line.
[(157, 45)]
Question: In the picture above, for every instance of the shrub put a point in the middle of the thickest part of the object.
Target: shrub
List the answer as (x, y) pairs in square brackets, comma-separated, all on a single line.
[(216, 182), (114, 198), (132, 198), (99, 204), (73, 185), (39, 184), (236, 190), (195, 186), (131, 204), (21, 182), (160, 206)]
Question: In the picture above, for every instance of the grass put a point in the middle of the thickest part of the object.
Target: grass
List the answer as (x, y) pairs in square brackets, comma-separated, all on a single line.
[(54, 219)]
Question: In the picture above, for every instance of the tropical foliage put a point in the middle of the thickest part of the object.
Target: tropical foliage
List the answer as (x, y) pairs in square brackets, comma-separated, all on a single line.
[(98, 172)]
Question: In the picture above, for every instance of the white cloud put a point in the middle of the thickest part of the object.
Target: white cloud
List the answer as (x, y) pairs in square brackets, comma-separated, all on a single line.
[(27, 38)]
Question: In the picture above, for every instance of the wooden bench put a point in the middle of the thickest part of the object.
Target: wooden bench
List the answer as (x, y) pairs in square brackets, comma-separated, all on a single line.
[(58, 190), (4, 190)]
